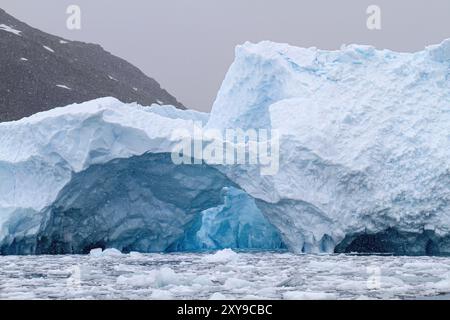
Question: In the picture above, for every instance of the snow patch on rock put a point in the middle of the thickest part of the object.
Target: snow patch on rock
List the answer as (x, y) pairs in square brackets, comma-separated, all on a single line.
[(9, 29)]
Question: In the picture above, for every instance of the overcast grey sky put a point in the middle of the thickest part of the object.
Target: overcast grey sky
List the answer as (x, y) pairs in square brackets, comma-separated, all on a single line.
[(188, 45)]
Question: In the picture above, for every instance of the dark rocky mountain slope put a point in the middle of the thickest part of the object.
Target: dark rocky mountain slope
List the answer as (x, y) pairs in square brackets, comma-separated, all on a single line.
[(39, 71)]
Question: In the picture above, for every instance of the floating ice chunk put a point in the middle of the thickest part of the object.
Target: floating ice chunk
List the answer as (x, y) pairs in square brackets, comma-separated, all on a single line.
[(111, 252), (253, 297), (96, 252), (161, 295), (166, 276), (222, 256), (136, 281), (203, 280), (136, 255), (9, 29), (154, 279), (217, 296), (442, 286), (306, 295), (235, 283)]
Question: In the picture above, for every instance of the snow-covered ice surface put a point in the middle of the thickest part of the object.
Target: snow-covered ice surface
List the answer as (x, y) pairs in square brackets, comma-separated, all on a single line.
[(263, 275)]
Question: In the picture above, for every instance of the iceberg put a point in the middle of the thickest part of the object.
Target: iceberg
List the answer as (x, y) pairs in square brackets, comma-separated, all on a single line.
[(100, 175), (364, 162)]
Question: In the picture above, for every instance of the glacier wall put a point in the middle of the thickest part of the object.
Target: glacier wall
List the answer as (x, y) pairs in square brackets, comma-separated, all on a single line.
[(364, 162)]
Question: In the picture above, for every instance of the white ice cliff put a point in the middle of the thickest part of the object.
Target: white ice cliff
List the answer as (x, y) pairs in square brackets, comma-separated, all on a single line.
[(364, 162), (365, 138)]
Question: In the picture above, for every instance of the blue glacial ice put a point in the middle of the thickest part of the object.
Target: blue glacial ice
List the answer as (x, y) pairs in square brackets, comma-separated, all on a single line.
[(237, 223), (146, 203), (364, 162)]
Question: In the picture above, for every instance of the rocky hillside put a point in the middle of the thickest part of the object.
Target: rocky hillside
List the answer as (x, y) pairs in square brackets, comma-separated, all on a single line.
[(39, 71)]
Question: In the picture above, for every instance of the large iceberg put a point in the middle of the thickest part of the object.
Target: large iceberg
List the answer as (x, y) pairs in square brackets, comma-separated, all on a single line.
[(364, 162)]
